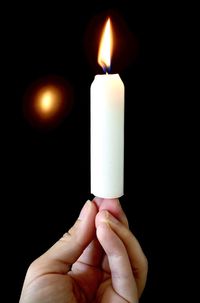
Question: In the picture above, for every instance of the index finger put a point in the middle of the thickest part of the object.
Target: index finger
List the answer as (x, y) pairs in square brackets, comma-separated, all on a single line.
[(123, 282)]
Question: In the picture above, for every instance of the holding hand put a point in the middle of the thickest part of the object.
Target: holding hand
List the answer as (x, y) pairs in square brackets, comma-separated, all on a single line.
[(98, 260)]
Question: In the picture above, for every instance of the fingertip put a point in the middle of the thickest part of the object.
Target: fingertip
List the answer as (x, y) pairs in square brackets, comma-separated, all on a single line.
[(113, 206), (88, 208), (97, 201)]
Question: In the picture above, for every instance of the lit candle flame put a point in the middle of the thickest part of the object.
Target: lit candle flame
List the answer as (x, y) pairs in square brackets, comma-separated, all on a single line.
[(105, 48)]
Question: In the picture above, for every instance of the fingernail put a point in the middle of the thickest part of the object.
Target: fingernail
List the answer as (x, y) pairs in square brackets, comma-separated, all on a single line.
[(84, 210), (110, 217)]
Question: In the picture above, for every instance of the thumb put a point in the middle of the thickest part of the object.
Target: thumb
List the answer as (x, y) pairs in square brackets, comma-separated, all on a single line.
[(67, 250)]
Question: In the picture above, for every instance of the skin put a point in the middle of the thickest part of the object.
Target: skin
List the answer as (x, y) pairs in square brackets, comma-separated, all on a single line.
[(99, 260)]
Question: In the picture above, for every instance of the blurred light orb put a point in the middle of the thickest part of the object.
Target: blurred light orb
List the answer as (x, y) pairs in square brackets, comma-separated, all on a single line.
[(48, 101)]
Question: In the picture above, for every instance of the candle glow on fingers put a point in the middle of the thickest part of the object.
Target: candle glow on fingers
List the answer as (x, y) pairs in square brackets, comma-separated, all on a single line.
[(107, 126)]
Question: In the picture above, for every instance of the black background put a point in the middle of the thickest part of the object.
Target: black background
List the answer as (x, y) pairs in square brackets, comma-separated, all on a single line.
[(48, 170)]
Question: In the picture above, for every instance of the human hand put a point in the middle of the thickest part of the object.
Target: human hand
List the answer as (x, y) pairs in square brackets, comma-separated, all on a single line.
[(98, 260)]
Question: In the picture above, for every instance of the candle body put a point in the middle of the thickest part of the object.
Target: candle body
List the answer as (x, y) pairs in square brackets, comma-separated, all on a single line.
[(107, 136)]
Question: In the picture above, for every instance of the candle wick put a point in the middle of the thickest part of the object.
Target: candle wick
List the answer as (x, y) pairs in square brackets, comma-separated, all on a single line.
[(106, 69)]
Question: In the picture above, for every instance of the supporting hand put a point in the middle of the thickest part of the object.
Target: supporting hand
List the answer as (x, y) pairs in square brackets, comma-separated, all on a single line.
[(98, 260)]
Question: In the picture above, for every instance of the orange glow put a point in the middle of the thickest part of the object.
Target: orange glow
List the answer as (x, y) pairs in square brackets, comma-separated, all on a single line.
[(106, 46), (48, 102)]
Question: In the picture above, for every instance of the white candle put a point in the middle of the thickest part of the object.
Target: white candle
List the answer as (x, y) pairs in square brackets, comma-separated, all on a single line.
[(107, 127)]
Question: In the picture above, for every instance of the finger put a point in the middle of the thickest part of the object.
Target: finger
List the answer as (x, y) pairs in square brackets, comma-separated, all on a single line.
[(113, 206), (67, 250), (93, 254), (123, 281), (137, 258)]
